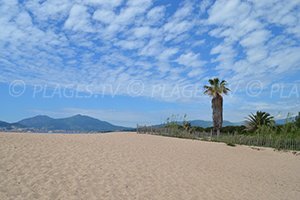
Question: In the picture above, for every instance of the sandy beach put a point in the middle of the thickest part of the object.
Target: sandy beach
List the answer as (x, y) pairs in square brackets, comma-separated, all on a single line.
[(132, 166)]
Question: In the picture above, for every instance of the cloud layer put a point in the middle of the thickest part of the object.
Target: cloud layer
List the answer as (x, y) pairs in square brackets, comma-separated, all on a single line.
[(116, 42)]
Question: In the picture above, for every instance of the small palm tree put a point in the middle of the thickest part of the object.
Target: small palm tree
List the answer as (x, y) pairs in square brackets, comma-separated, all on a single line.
[(254, 121), (216, 89)]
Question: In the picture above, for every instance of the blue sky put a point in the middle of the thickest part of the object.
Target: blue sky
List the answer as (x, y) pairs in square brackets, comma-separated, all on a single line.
[(131, 61)]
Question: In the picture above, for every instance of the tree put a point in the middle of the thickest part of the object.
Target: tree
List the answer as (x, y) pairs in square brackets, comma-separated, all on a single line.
[(259, 119), (216, 89)]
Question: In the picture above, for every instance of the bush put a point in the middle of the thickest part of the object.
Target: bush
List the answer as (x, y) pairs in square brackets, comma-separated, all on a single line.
[(234, 129)]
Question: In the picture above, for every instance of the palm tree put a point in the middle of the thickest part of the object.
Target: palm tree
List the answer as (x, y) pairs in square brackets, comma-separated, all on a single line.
[(216, 89), (297, 122), (259, 119)]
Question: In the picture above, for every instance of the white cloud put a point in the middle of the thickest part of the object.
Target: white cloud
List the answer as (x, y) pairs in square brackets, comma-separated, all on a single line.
[(78, 19), (167, 53), (105, 16), (195, 73), (193, 63), (49, 10), (130, 44), (258, 37), (228, 12), (190, 59), (256, 54), (245, 24), (204, 5), (110, 4), (153, 48), (156, 15), (141, 32), (24, 20)]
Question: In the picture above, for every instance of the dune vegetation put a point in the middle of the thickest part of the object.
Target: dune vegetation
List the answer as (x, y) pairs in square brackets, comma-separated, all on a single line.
[(259, 129), (282, 137)]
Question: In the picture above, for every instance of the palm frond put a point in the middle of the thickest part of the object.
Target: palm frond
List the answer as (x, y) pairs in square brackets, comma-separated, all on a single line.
[(216, 87), (254, 121)]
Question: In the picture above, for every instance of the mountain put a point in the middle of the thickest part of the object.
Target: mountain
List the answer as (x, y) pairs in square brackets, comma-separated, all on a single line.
[(4, 124), (77, 123), (82, 123), (39, 122), (206, 124), (9, 126), (283, 121)]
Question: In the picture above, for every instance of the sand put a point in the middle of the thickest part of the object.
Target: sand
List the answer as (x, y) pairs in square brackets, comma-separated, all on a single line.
[(132, 166)]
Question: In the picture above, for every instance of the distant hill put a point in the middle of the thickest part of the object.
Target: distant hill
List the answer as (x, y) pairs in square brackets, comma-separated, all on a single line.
[(78, 123), (4, 124), (206, 124), (283, 121), (9, 126), (39, 122), (82, 123)]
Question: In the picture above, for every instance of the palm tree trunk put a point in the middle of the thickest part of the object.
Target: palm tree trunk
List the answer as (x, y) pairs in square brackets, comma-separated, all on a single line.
[(217, 107)]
